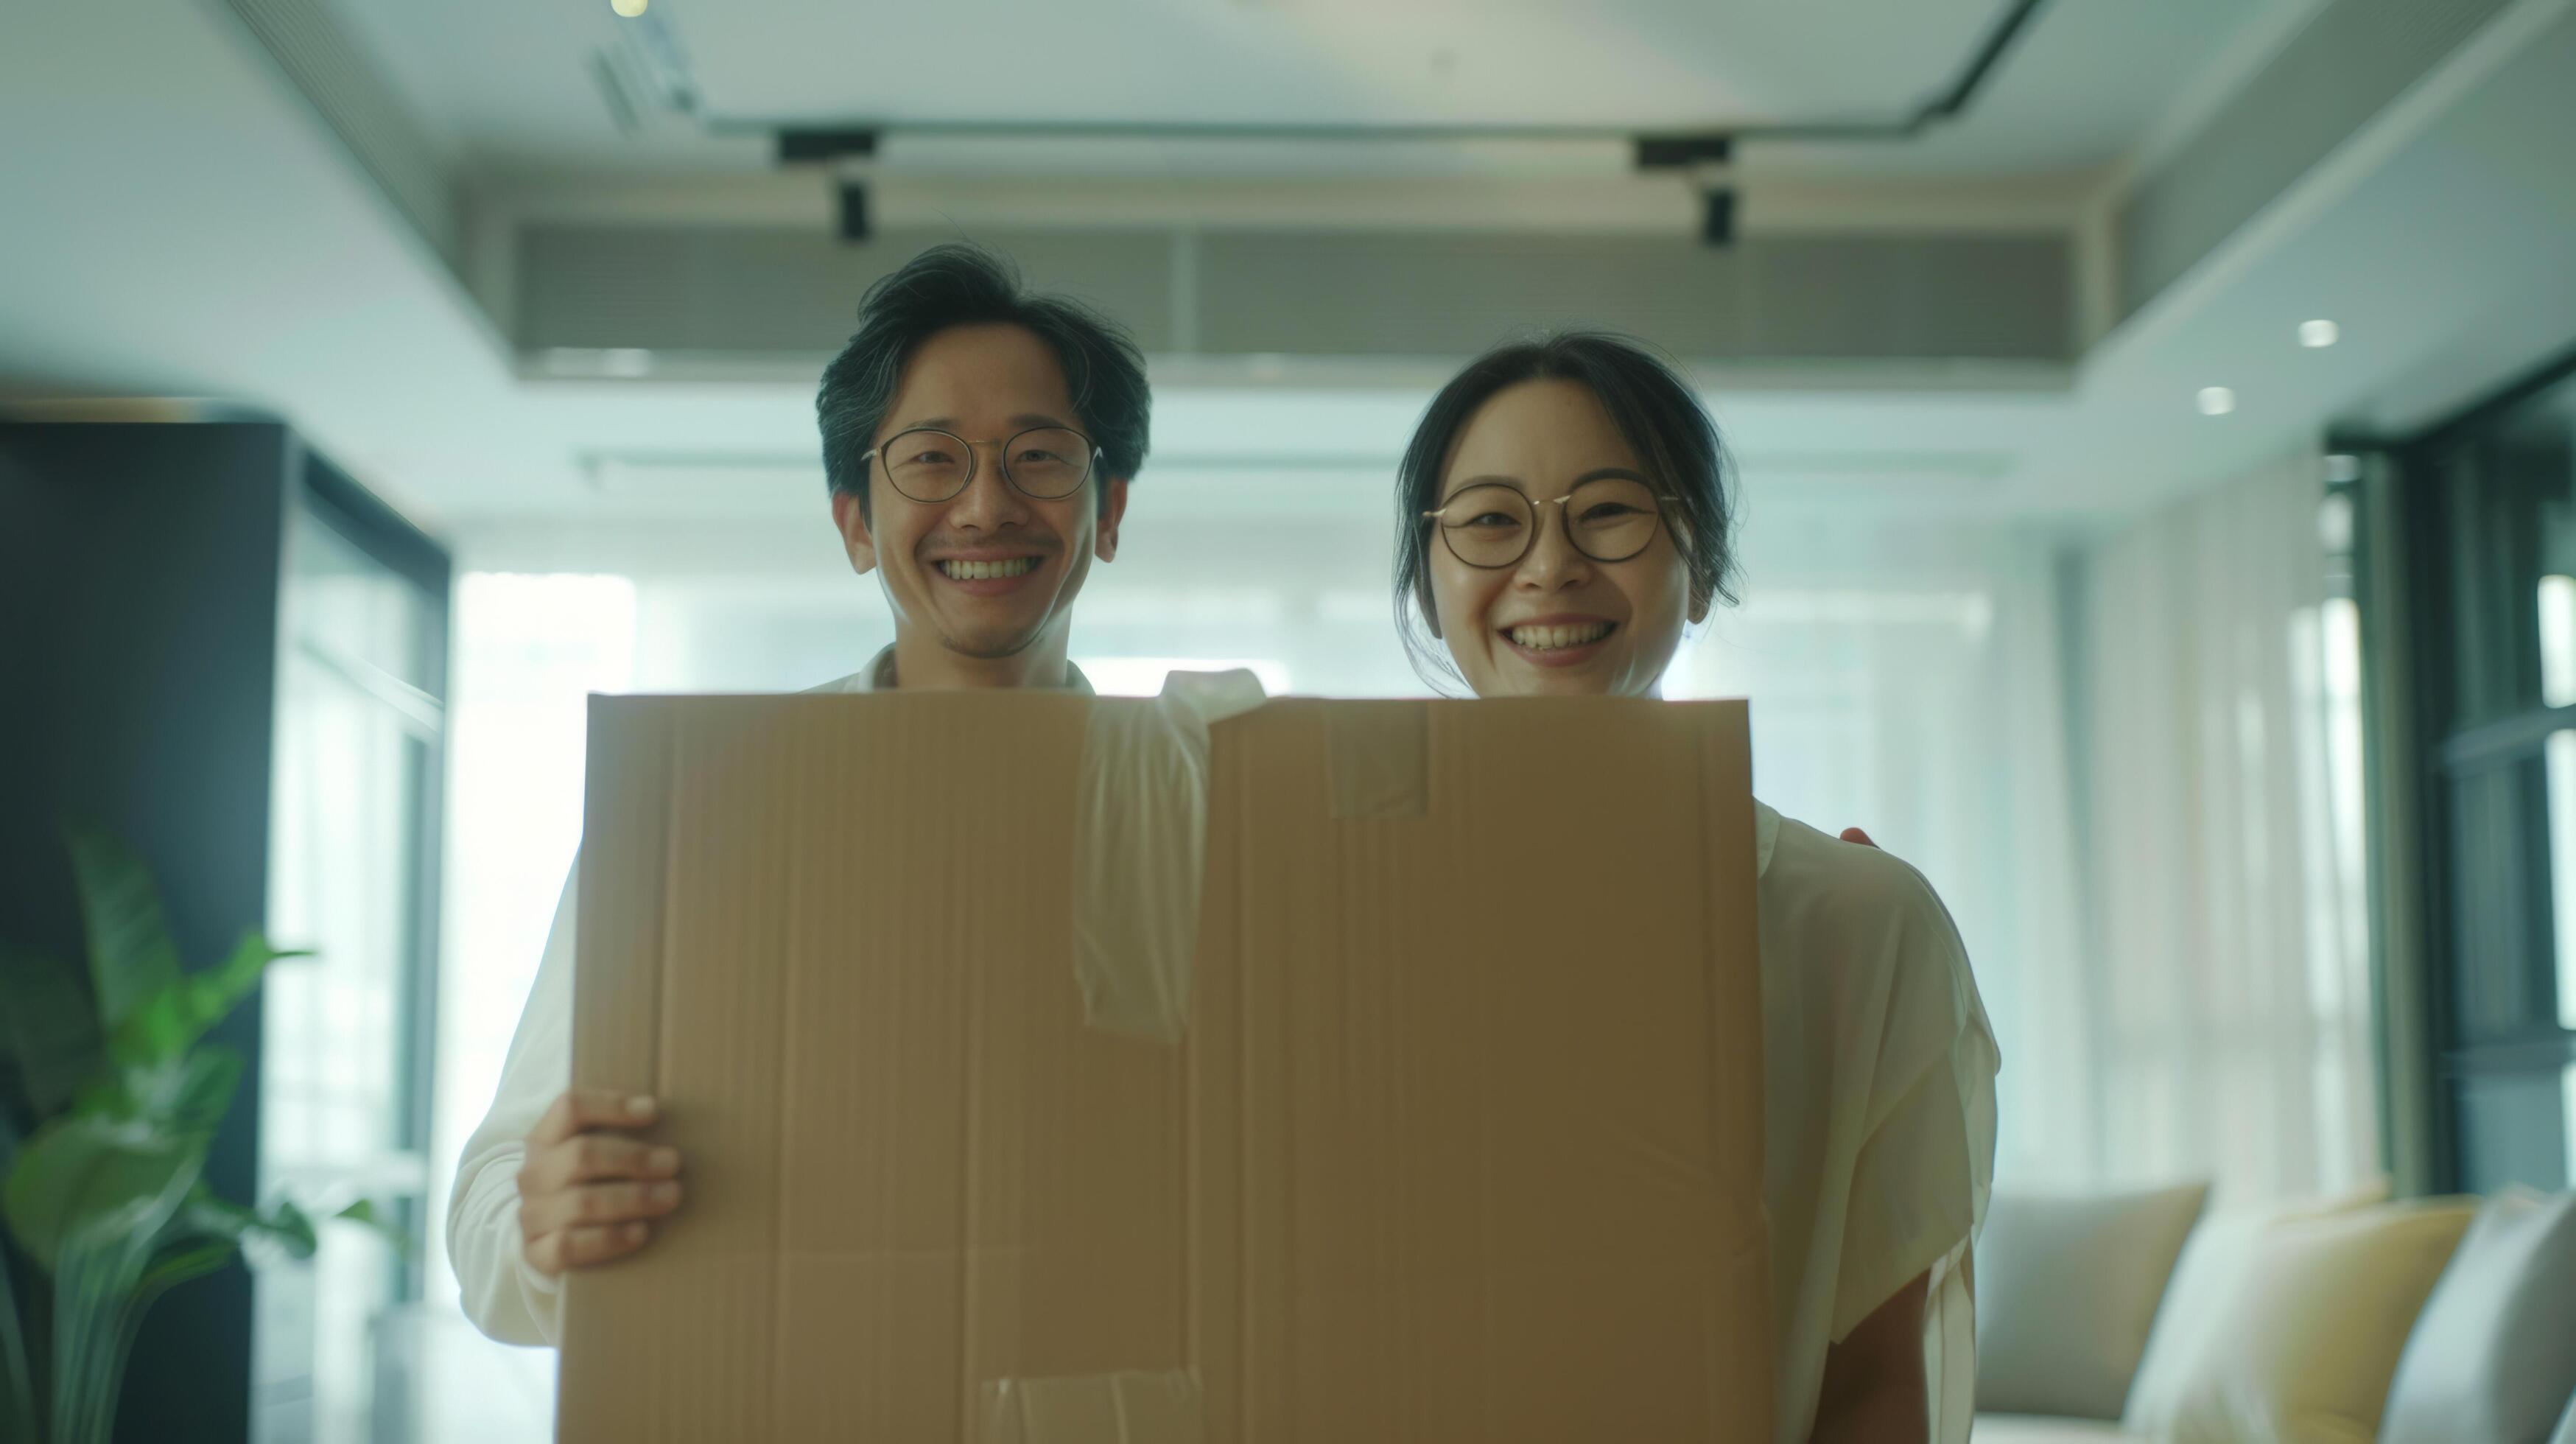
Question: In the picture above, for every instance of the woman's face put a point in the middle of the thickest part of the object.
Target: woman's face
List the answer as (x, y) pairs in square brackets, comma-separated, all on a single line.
[(1557, 622)]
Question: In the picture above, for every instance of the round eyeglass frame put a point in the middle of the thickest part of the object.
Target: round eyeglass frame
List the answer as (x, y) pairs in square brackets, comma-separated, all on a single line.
[(1538, 524), (975, 461)]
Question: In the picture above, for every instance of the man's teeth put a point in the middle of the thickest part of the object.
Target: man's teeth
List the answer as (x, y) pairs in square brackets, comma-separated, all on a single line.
[(986, 571), (1548, 639)]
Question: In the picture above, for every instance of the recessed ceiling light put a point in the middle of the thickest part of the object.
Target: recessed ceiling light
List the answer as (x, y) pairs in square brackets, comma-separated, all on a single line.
[(2317, 335), (628, 8), (2216, 401)]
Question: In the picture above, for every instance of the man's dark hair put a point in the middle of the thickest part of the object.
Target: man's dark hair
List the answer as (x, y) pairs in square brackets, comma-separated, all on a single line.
[(1652, 407), (965, 285)]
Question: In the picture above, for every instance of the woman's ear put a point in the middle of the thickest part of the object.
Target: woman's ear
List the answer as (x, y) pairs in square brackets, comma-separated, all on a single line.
[(851, 520)]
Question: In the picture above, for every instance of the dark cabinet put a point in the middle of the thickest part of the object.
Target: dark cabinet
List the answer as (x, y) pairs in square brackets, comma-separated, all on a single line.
[(218, 647)]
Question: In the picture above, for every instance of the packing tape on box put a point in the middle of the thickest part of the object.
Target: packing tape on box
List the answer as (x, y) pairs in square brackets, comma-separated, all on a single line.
[(1135, 1407), (1381, 759), (1141, 849)]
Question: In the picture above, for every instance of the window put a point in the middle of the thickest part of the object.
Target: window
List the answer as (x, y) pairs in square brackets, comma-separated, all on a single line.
[(2489, 503)]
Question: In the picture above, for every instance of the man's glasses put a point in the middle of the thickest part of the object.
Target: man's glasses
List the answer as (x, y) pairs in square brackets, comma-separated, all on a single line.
[(1492, 525), (1047, 463)]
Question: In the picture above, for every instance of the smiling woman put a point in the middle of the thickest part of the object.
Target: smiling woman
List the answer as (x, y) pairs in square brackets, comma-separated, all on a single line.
[(1581, 500), (1617, 445)]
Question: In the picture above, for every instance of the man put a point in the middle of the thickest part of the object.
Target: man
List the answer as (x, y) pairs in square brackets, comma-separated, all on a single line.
[(978, 440)]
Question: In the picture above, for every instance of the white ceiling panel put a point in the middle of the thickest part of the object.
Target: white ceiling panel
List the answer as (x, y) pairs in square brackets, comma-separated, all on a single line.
[(518, 86)]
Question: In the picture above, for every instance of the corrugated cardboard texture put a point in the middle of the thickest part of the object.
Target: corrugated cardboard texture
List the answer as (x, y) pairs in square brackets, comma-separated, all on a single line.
[(1463, 1140), (1381, 764)]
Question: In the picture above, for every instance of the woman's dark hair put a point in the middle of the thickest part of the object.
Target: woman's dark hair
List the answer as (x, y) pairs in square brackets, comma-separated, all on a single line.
[(1652, 407), (964, 285)]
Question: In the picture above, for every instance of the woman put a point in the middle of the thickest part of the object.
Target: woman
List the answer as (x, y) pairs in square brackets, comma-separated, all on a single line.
[(1566, 514)]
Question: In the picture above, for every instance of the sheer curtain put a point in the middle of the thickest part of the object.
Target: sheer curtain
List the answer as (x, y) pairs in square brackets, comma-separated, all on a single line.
[(2228, 1013), (1905, 675), (2132, 770)]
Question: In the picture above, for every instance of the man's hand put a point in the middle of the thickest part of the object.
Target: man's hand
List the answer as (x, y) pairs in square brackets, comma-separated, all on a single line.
[(587, 1192)]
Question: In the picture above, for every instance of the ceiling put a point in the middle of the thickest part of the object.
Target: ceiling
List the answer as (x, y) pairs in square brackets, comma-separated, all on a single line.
[(512, 87), (184, 225)]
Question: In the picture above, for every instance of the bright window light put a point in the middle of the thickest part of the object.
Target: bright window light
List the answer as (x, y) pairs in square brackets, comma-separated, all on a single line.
[(2216, 401), (628, 8), (2557, 641), (2559, 768), (2567, 1091), (2318, 335), (1143, 676)]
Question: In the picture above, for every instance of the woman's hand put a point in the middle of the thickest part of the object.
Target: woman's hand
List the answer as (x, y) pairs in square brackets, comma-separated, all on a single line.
[(1874, 1391), (587, 1192)]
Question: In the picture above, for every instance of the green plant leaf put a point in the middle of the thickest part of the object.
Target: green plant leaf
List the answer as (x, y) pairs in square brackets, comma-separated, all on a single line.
[(49, 1023), (210, 1217), (131, 957), (377, 1219), (167, 1022), (291, 1226), (190, 1094), (17, 1381), (98, 1299), (195, 1259), (84, 1167)]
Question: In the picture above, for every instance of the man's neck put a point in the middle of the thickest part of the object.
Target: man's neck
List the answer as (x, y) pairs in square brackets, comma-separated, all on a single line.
[(922, 664)]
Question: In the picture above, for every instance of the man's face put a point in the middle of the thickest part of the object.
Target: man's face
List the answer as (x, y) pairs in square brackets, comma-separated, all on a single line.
[(988, 572)]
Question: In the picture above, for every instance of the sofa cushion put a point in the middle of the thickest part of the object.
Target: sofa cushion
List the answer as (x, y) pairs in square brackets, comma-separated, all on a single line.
[(2493, 1358), (2066, 1291), (2297, 1341), (2214, 1262)]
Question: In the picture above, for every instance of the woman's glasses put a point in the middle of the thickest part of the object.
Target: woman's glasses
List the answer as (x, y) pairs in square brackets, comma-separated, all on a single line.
[(1493, 525), (1044, 462)]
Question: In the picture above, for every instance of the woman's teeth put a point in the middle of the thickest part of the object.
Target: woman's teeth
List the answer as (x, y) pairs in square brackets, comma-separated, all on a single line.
[(986, 571), (1548, 639)]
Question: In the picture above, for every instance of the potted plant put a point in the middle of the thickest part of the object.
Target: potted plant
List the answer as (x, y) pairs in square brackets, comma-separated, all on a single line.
[(109, 1100)]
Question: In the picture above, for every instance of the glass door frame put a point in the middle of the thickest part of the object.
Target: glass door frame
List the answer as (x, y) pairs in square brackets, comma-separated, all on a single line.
[(2434, 750), (326, 497)]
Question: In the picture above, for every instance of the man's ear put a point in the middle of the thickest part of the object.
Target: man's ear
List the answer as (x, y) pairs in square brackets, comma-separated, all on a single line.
[(851, 519), (1699, 606), (1113, 509)]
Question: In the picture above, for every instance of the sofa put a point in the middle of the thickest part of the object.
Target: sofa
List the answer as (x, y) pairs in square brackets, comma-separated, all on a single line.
[(2150, 1316)]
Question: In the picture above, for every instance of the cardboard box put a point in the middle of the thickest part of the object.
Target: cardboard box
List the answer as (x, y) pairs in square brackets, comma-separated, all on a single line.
[(1459, 1137)]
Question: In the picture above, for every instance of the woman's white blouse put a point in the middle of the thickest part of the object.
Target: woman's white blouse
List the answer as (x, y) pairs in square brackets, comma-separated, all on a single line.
[(1879, 1113)]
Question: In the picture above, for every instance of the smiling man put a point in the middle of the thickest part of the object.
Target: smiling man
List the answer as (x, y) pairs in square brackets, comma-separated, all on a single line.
[(978, 440)]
